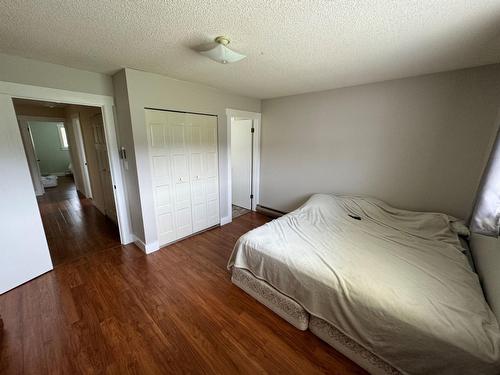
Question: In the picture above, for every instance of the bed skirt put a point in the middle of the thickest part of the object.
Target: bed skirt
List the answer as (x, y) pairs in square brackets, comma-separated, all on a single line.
[(282, 305), (297, 316)]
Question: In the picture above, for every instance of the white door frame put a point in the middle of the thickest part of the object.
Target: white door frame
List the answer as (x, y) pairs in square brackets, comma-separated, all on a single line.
[(80, 150), (256, 118), (106, 103)]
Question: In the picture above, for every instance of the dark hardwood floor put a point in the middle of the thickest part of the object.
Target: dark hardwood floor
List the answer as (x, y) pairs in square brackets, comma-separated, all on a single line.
[(119, 311), (72, 224)]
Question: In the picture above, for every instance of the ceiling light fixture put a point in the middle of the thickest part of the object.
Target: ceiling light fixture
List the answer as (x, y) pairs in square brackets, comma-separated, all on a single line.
[(221, 53)]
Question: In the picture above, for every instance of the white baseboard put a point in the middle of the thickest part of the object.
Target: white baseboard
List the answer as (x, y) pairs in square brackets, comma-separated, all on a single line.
[(225, 220), (147, 248)]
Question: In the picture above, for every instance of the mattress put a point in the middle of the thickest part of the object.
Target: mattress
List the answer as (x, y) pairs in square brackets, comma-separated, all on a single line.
[(396, 282)]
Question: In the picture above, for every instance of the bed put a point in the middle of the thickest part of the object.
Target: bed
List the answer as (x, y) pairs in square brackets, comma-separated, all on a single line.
[(391, 289)]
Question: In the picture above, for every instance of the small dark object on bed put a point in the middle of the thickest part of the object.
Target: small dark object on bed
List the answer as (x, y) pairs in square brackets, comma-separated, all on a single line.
[(355, 217)]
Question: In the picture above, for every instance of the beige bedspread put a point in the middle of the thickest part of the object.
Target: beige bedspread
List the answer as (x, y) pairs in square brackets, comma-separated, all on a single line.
[(395, 281)]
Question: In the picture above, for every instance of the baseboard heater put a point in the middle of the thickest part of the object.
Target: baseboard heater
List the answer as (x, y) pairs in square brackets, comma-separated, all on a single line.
[(271, 212)]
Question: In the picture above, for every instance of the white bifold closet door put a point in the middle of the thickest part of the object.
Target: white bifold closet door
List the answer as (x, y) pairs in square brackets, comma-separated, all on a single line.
[(184, 164)]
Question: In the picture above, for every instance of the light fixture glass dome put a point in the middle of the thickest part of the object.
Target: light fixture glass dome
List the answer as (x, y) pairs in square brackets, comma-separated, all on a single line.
[(221, 53)]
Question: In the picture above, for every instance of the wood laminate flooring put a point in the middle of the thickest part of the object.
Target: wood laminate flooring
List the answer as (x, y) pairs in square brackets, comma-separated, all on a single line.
[(119, 311), (73, 225), (239, 211)]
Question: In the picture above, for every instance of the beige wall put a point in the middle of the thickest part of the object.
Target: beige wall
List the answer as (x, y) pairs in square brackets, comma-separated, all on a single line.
[(32, 72), (418, 143), (156, 91)]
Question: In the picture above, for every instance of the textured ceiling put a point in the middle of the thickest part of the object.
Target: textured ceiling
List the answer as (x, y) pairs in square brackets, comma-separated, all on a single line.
[(292, 46)]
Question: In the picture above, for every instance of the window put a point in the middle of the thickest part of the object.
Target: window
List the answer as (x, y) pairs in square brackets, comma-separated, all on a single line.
[(62, 136), (486, 217)]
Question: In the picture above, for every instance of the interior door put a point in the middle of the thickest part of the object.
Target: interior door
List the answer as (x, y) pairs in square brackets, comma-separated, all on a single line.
[(185, 172), (23, 257), (180, 168), (241, 162), (195, 129), (82, 157), (160, 140), (29, 149), (211, 169), (104, 171)]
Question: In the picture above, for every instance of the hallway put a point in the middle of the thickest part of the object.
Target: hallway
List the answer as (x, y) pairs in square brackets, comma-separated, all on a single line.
[(73, 226)]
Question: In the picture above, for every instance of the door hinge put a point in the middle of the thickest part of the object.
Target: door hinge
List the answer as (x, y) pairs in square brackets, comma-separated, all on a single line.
[(252, 130), (251, 196)]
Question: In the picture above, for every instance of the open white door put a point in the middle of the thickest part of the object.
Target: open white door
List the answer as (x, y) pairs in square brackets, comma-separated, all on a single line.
[(101, 150), (24, 254), (241, 162), (29, 149), (82, 157)]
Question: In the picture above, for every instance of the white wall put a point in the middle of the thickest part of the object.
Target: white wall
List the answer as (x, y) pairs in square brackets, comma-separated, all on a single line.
[(418, 143), (38, 73), (156, 91), (33, 72), (126, 139), (24, 253)]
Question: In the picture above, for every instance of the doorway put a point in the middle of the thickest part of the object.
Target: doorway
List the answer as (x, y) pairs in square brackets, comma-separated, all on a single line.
[(67, 155), (26, 254), (244, 161), (242, 132)]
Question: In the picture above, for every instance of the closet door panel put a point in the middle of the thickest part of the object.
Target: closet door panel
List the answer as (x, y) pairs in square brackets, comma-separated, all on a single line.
[(210, 140), (211, 166), (179, 151), (161, 169), (166, 229), (200, 219), (159, 140), (196, 166), (156, 131), (177, 123), (197, 192), (212, 189), (211, 169), (182, 195), (181, 168), (183, 222), (198, 196), (184, 163), (213, 213)]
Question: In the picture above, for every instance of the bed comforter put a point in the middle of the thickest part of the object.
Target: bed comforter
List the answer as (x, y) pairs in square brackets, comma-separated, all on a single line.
[(395, 281)]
